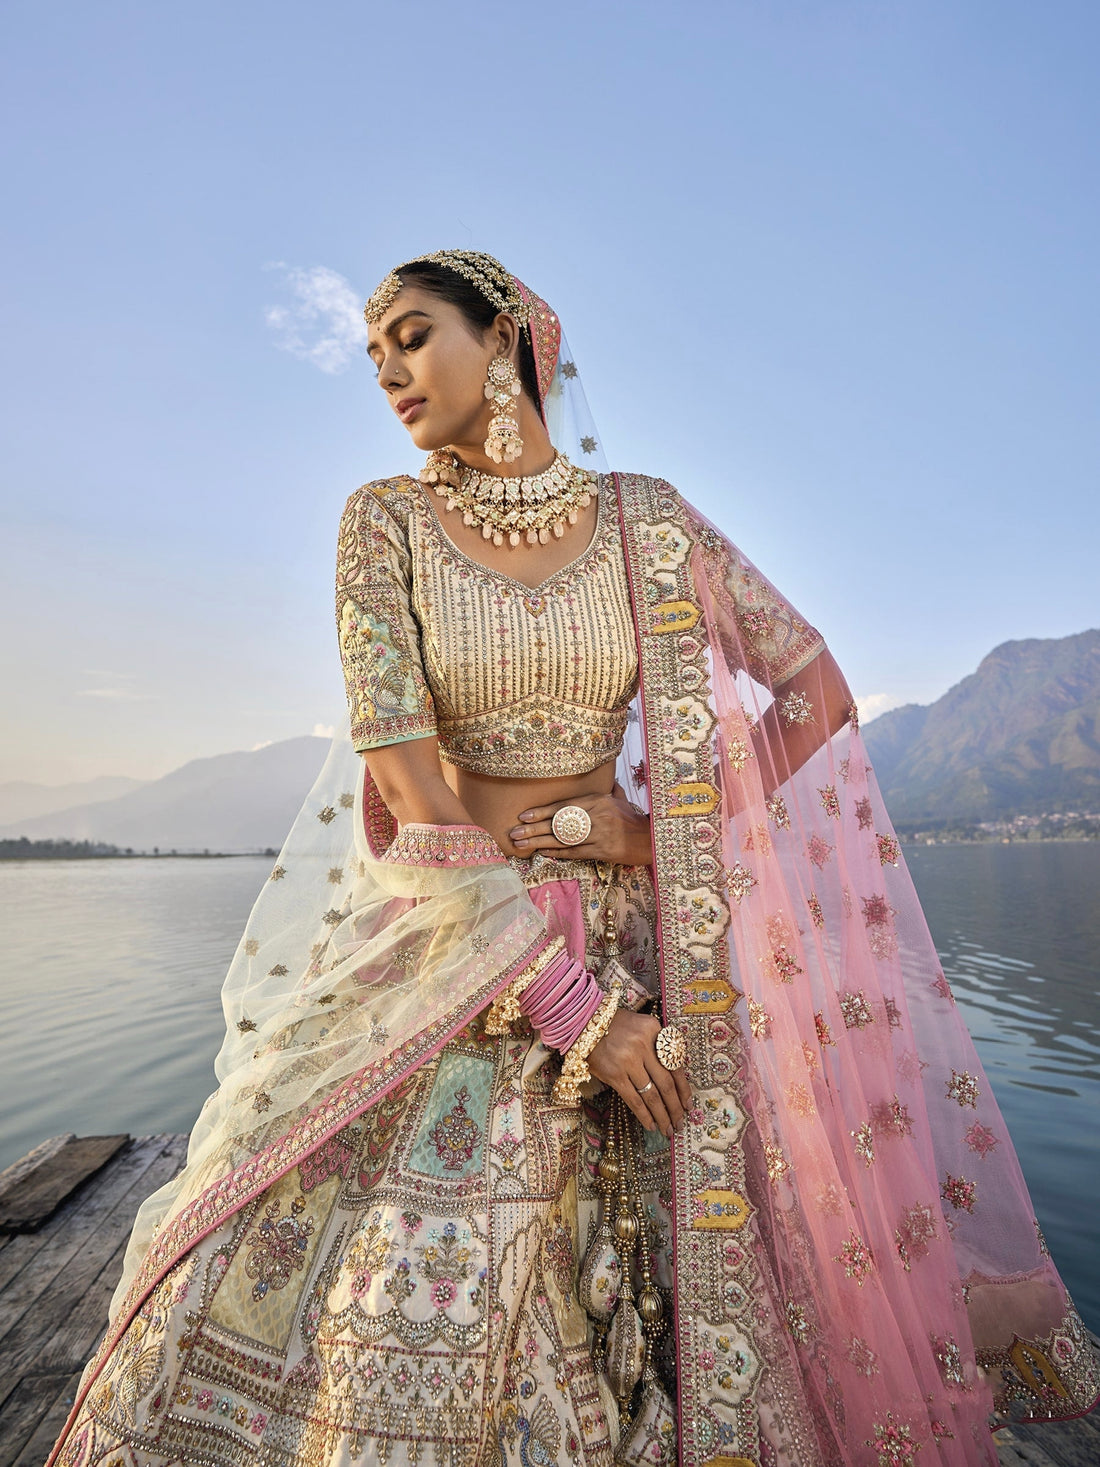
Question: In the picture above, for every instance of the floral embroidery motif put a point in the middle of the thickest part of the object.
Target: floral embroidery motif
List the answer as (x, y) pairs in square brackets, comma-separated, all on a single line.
[(277, 1247), (777, 811), (942, 987), (819, 850), (740, 881), (864, 1143), (588, 444), (758, 839), (455, 1136), (568, 370), (856, 1257), (261, 1101), (332, 918), (949, 1359), (915, 1230), (327, 815), (862, 1358), (277, 873), (759, 1019), (346, 800), (864, 813), (737, 752), (800, 1100), (335, 875), (797, 708), (893, 1442), (960, 1192), (891, 1118), (798, 1323), (824, 1033), (777, 1164), (246, 1026), (251, 946), (830, 802), (815, 909), (889, 851), (980, 1139), (856, 1010), (781, 964), (962, 1088), (280, 970)]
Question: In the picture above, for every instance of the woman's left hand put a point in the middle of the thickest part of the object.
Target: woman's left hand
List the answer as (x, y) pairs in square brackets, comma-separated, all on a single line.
[(620, 833)]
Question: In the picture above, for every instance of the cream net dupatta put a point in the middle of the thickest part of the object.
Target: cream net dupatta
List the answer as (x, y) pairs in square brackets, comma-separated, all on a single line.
[(356, 965)]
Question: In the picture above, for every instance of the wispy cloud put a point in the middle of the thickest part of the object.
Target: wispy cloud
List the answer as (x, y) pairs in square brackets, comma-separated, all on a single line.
[(874, 704), (323, 323), (114, 686)]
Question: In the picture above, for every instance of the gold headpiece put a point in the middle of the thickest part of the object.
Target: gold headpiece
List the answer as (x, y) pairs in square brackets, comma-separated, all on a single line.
[(488, 276)]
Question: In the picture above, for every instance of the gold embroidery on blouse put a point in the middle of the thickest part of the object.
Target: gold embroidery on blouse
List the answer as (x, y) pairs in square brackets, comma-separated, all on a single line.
[(526, 681)]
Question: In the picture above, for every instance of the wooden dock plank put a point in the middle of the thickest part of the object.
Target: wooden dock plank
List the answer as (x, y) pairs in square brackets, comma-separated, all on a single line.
[(61, 1316), (27, 1202), (39, 1444), (32, 1260), (26, 1409)]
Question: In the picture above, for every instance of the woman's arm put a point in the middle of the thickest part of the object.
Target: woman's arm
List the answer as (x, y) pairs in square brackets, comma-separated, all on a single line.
[(410, 780), (809, 707)]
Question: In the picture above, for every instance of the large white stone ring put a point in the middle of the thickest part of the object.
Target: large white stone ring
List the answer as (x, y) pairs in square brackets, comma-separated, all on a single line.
[(571, 825), (672, 1049)]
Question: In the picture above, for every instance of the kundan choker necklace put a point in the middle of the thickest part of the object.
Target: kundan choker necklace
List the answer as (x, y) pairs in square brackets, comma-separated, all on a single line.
[(527, 510)]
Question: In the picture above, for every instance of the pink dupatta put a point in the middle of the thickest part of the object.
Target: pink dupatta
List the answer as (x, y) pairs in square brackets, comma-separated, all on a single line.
[(853, 1236)]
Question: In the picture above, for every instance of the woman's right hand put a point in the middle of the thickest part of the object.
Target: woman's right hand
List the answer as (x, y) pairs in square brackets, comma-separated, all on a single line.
[(626, 1059)]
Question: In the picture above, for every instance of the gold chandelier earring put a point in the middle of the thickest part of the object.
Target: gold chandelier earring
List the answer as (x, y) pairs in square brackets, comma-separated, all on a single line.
[(503, 444)]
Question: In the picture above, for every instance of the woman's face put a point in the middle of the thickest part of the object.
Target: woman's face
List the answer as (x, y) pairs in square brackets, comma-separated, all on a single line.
[(432, 368)]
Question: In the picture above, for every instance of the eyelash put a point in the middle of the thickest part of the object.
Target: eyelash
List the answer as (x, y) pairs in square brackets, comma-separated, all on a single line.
[(411, 345)]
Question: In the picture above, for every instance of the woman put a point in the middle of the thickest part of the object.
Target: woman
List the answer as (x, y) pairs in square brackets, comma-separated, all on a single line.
[(788, 1226)]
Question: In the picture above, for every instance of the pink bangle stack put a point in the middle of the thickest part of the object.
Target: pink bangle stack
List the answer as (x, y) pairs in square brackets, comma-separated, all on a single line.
[(561, 1001)]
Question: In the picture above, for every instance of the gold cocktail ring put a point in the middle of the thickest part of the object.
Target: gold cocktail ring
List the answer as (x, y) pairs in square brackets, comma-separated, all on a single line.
[(672, 1049), (571, 825)]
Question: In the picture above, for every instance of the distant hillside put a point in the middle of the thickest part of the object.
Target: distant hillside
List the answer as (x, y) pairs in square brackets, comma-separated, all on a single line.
[(22, 800), (1020, 736), (232, 802)]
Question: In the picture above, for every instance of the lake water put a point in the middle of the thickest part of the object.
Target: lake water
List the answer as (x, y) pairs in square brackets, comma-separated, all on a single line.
[(109, 1012)]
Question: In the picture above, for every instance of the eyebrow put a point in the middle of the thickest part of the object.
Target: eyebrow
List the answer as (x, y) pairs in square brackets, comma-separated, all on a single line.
[(396, 322)]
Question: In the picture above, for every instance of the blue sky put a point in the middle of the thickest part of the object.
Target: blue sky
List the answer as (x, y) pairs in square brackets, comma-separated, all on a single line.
[(829, 267)]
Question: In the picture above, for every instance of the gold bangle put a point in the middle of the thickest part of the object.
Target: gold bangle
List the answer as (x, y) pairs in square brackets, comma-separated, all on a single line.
[(575, 1071), (504, 1009)]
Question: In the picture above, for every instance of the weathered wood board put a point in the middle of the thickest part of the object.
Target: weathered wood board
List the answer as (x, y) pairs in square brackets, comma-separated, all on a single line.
[(55, 1285), (31, 1194)]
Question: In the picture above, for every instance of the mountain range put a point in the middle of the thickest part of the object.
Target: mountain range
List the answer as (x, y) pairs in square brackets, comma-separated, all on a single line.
[(1019, 736), (232, 802)]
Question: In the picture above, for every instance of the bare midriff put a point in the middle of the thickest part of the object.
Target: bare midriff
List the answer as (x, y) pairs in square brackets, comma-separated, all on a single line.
[(496, 804)]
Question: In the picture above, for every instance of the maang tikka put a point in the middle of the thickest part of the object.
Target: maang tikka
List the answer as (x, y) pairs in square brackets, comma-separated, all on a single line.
[(503, 444)]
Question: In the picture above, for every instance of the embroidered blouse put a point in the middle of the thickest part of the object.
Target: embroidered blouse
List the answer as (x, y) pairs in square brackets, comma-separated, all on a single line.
[(515, 681)]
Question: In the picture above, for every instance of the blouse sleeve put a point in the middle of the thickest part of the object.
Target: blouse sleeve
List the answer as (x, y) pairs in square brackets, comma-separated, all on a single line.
[(388, 694), (777, 642), (759, 628)]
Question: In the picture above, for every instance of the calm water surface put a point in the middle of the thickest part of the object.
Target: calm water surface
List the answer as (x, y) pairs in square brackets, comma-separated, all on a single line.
[(110, 1019)]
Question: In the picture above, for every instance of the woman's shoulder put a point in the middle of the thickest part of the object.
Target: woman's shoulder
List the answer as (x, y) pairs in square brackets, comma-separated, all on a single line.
[(395, 495)]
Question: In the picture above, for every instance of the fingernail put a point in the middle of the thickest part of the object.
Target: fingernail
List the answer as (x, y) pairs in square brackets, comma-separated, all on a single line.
[(518, 831), (527, 815), (520, 842)]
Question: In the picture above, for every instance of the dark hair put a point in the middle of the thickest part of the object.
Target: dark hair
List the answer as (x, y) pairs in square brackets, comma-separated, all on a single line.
[(449, 286)]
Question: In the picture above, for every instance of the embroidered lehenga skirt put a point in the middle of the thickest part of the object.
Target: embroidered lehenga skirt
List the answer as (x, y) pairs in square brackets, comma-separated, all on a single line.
[(408, 1293)]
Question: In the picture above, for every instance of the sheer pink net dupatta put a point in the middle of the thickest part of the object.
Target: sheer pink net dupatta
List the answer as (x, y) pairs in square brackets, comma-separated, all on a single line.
[(855, 1240)]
